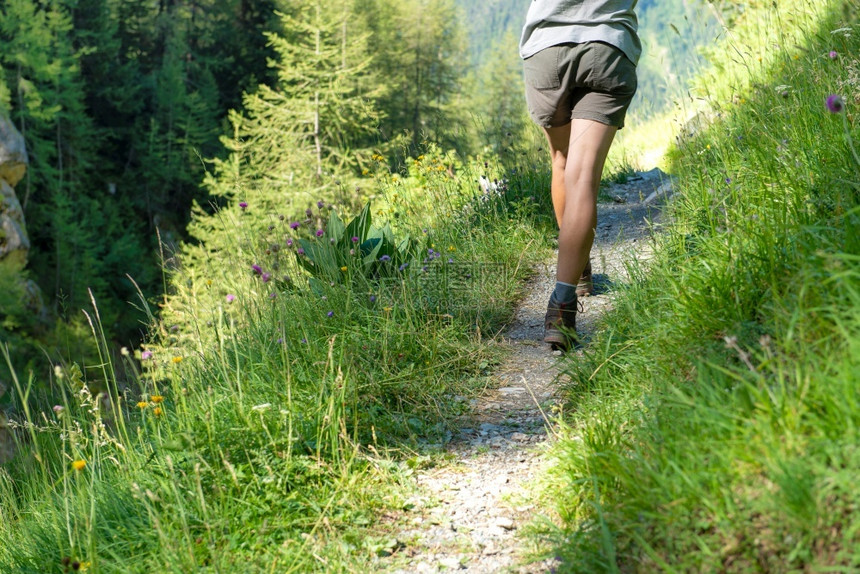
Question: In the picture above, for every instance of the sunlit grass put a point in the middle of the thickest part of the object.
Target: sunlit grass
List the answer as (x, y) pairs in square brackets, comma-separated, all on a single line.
[(715, 415)]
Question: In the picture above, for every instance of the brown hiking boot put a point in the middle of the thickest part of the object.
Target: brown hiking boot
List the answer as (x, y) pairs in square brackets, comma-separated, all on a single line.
[(560, 324), (585, 286)]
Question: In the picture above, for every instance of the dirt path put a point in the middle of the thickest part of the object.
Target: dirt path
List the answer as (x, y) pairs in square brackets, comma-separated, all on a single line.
[(469, 512)]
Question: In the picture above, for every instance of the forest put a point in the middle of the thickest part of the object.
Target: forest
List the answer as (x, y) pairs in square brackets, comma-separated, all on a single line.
[(258, 259)]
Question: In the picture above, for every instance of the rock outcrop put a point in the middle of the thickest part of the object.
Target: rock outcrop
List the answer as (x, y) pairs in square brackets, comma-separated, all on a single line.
[(14, 243)]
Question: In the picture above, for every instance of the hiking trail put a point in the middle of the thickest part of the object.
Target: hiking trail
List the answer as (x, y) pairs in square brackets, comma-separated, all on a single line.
[(468, 513)]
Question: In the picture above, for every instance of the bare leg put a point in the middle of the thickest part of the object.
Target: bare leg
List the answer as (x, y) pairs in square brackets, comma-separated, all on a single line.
[(578, 152)]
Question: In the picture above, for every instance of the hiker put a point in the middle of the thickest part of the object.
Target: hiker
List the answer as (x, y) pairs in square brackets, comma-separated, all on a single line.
[(579, 59)]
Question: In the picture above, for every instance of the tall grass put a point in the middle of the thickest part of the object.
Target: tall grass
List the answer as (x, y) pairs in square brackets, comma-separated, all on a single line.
[(716, 415), (265, 425)]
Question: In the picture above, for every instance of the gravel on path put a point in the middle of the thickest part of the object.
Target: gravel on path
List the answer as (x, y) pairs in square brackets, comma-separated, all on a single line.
[(469, 512)]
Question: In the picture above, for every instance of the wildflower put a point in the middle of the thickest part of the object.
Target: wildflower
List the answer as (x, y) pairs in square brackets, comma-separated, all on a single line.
[(387, 309), (142, 404), (243, 205), (58, 410), (257, 269), (300, 251), (833, 55), (157, 411), (330, 314), (450, 260), (295, 225), (320, 232), (124, 351), (157, 399), (451, 248), (309, 212), (385, 258), (230, 297), (373, 298), (355, 239), (835, 104), (320, 204), (272, 295), (176, 360), (404, 266), (289, 242), (266, 277), (304, 340), (145, 355), (79, 464), (280, 341), (343, 268)]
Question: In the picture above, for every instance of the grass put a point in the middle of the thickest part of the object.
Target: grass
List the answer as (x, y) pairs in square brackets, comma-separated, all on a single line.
[(272, 424), (716, 413)]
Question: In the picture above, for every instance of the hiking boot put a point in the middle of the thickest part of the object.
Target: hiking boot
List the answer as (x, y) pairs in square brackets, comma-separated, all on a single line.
[(560, 324), (585, 286)]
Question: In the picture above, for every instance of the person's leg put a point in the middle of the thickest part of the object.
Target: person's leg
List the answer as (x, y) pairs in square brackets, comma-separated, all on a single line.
[(578, 152), (559, 140)]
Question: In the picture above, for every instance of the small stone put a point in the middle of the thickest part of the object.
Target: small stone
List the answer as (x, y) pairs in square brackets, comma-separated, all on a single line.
[(450, 563), (505, 522), (519, 437)]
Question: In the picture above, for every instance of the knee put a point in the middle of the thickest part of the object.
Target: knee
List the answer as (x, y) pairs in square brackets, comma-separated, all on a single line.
[(559, 162)]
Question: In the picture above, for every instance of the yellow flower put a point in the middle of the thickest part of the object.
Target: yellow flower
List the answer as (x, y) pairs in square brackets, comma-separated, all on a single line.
[(209, 282), (387, 309), (343, 268), (157, 411), (79, 464), (142, 405), (156, 398), (451, 248), (364, 172), (176, 359)]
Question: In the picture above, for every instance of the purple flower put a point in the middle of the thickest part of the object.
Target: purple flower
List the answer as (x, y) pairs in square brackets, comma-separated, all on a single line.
[(300, 251), (265, 277), (280, 340), (835, 104), (330, 314), (289, 242), (294, 225), (58, 409), (320, 232), (373, 298), (272, 295), (145, 355), (230, 299), (424, 269), (257, 269), (833, 55), (320, 204), (304, 340), (243, 205), (355, 239), (450, 260), (384, 258), (404, 266), (309, 212)]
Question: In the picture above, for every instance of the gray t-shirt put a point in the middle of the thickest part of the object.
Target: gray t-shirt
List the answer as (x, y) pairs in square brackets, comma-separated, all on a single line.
[(552, 22)]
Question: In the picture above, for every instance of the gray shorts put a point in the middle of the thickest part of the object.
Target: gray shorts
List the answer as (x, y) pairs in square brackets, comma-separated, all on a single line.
[(592, 81)]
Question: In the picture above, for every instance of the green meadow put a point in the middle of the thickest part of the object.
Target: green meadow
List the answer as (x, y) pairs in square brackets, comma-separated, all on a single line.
[(337, 304)]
